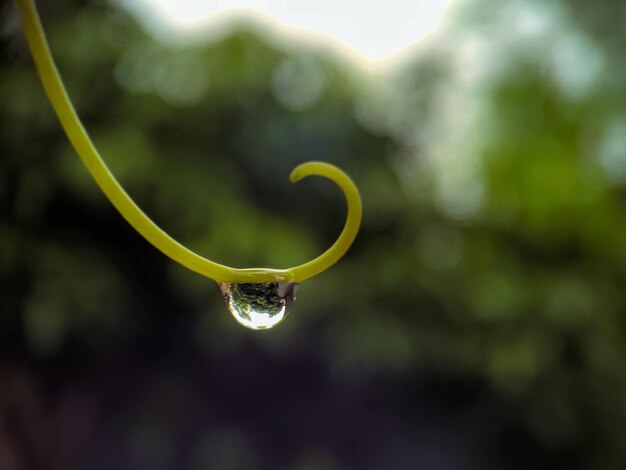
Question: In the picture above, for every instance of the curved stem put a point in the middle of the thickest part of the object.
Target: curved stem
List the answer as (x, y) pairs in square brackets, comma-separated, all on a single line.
[(90, 157)]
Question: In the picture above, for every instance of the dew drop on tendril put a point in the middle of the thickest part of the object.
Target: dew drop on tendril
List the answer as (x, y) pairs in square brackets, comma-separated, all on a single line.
[(259, 306)]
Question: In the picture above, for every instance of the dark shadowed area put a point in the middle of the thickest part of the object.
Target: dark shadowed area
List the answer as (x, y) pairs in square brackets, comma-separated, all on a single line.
[(478, 322)]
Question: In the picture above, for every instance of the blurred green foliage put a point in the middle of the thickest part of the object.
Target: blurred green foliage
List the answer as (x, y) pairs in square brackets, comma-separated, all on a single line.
[(493, 171)]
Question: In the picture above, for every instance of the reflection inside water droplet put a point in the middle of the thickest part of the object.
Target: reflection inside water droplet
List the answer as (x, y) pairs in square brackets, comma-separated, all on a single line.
[(259, 306)]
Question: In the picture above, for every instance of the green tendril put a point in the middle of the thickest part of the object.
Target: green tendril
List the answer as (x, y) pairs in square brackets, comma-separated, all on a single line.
[(90, 157)]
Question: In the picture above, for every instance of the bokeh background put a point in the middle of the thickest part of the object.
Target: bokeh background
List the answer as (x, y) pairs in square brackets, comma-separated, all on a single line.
[(479, 321)]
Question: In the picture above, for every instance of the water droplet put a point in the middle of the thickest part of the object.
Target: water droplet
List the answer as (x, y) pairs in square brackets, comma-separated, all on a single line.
[(259, 306)]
